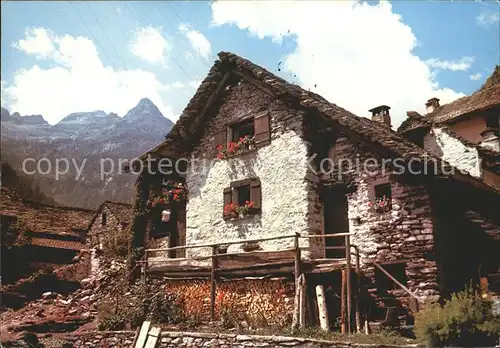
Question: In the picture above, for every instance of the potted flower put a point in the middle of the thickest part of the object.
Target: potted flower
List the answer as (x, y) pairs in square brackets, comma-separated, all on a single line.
[(243, 144), (233, 210), (382, 204), (171, 193), (222, 248)]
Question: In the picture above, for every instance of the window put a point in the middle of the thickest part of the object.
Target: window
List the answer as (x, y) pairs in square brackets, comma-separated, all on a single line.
[(493, 122), (104, 219), (256, 127), (382, 197), (242, 198), (242, 194), (397, 270), (242, 129)]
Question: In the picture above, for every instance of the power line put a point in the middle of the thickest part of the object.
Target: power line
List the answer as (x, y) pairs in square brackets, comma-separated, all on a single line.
[(182, 21), (92, 34), (173, 58), (106, 35)]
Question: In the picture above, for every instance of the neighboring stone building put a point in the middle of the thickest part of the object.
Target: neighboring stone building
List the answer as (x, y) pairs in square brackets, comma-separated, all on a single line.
[(109, 225), (39, 236), (293, 162), (465, 132)]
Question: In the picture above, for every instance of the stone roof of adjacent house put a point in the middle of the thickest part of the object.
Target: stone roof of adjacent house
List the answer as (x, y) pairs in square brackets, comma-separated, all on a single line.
[(486, 97), (122, 211), (181, 136), (58, 243), (46, 225), (42, 218)]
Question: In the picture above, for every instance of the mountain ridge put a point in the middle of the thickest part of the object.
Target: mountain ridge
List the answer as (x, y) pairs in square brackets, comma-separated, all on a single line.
[(91, 136)]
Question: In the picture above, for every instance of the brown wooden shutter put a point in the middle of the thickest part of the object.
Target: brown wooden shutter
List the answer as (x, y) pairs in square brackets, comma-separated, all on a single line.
[(262, 129), (228, 196), (221, 138), (255, 193)]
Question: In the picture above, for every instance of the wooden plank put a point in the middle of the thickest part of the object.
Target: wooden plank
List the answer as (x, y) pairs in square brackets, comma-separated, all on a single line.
[(208, 245), (322, 309), (343, 303), (358, 291), (302, 301), (136, 336), (213, 283), (348, 280), (397, 282), (143, 335), (153, 337), (296, 274)]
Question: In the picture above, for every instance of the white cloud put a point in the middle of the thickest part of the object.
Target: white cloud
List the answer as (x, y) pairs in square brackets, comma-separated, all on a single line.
[(488, 18), (2, 101), (197, 40), (194, 83), (36, 41), (475, 77), (453, 65), (78, 81), (358, 55), (149, 44)]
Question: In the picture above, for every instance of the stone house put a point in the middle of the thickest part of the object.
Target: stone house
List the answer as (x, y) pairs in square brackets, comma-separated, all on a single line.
[(39, 236), (295, 163), (109, 224), (465, 132)]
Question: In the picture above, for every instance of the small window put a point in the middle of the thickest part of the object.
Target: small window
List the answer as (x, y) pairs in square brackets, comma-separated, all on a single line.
[(397, 270), (382, 197), (493, 122), (104, 219), (242, 194), (242, 129)]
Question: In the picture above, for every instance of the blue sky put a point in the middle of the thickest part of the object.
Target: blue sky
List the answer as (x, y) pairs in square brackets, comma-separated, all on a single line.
[(62, 57)]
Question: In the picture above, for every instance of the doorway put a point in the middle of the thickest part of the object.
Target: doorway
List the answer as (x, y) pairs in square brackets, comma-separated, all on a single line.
[(336, 221)]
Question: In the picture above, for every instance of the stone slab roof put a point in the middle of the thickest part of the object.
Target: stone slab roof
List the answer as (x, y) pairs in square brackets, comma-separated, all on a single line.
[(57, 243), (178, 140), (42, 218), (122, 211), (485, 98)]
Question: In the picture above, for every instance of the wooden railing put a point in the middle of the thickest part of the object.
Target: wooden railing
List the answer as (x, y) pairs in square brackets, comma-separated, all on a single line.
[(215, 256), (298, 316)]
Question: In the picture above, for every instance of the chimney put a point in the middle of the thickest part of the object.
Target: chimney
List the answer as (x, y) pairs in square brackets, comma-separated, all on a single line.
[(490, 139), (381, 114), (412, 114), (431, 105)]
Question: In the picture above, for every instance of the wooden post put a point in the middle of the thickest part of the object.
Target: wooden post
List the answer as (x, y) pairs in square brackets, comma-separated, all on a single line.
[(358, 292), (343, 303), (213, 282), (296, 274), (145, 268), (302, 301), (322, 309), (348, 282)]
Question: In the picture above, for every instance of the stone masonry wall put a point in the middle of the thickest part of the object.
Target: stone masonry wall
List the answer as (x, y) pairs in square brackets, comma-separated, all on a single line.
[(175, 339), (281, 167), (104, 234), (405, 233), (443, 145)]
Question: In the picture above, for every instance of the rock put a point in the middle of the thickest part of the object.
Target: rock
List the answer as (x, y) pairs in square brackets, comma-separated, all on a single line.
[(49, 295)]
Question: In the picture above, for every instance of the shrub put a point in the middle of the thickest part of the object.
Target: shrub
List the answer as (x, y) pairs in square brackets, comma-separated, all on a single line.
[(464, 320)]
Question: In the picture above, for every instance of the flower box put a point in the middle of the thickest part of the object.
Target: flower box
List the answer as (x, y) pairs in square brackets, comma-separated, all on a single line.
[(239, 147), (381, 205), (235, 211), (172, 193)]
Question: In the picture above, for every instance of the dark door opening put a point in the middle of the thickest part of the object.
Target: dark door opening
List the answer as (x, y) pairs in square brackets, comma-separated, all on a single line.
[(336, 221)]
